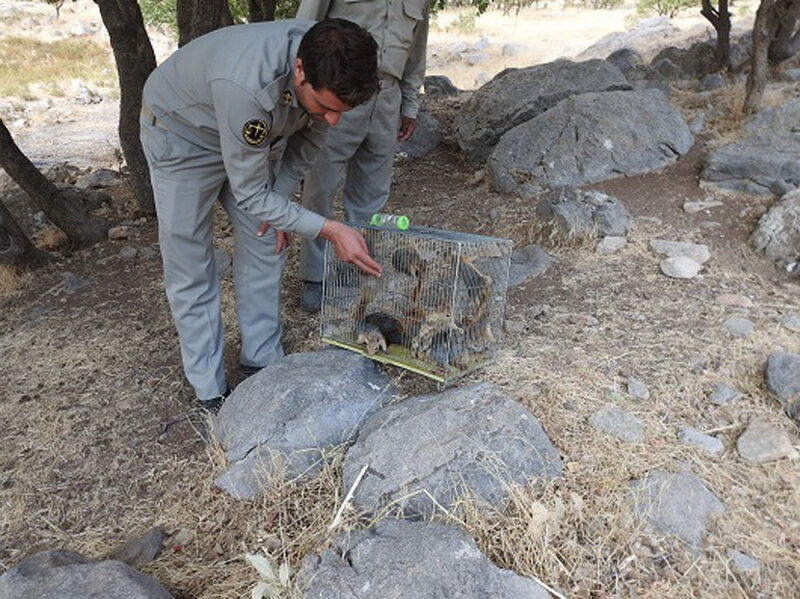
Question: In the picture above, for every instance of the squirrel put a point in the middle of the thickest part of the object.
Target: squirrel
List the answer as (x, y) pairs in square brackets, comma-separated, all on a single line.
[(371, 336), (479, 291)]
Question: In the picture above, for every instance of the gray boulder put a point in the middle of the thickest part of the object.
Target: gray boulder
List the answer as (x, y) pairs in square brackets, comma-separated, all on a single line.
[(653, 31), (692, 63), (711, 82), (439, 85), (644, 77), (430, 451), (581, 212), (625, 59), (427, 136), (140, 550), (283, 417), (590, 138), (396, 559), (515, 96), (766, 161), (783, 376), (778, 231), (67, 575), (676, 504), (98, 179), (528, 263)]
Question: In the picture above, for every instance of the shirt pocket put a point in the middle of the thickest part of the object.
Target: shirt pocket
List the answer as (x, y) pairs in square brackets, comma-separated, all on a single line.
[(413, 9)]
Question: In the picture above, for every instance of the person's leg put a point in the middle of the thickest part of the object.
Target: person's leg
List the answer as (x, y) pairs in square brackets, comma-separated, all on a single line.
[(319, 189), (186, 183), (257, 276), (369, 172)]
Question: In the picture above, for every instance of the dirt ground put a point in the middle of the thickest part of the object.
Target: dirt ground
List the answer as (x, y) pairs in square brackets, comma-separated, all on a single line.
[(101, 441)]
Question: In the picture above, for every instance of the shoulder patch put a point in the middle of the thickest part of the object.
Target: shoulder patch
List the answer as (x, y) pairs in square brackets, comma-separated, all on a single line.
[(255, 131)]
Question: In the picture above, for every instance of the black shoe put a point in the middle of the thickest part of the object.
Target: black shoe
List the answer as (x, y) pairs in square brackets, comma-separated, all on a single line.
[(213, 405), (248, 371), (311, 296)]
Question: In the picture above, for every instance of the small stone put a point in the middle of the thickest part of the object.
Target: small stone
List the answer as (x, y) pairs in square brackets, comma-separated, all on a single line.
[(473, 58), (697, 123), (723, 394), (610, 244), (73, 282), (515, 326), (762, 442), (494, 214), (128, 252), (739, 327), (743, 562), (584, 320), (732, 299), (481, 44), (711, 82), (709, 444), (476, 178), (672, 249), (710, 224), (791, 322), (697, 363), (623, 425), (638, 389), (147, 253), (139, 551), (695, 207), (180, 539), (680, 267), (119, 233)]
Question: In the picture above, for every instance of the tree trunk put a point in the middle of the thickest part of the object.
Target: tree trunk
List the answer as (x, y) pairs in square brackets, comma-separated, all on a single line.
[(261, 10), (720, 19), (763, 30), (71, 216), (786, 42), (135, 60), (197, 17), (15, 247)]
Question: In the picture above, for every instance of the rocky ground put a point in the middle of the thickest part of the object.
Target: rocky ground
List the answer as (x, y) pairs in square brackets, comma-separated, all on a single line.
[(639, 380)]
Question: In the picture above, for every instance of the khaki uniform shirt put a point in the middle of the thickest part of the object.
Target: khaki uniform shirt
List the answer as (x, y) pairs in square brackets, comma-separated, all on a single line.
[(400, 27), (232, 92)]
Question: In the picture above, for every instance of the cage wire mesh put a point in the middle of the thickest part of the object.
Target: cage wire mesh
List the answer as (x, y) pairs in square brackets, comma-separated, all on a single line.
[(438, 308)]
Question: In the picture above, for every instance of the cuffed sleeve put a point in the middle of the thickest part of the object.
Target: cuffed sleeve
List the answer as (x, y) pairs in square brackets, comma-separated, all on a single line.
[(414, 72), (245, 136)]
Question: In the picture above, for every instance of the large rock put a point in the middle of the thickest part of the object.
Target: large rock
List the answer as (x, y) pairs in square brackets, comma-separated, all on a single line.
[(625, 59), (62, 574), (766, 161), (692, 63), (427, 136), (761, 442), (645, 77), (646, 35), (439, 85), (783, 376), (285, 415), (590, 138), (396, 559), (429, 451), (676, 504), (515, 96), (583, 212), (528, 263), (778, 231)]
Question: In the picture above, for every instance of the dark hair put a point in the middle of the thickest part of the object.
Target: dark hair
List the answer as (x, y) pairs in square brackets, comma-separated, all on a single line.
[(341, 57)]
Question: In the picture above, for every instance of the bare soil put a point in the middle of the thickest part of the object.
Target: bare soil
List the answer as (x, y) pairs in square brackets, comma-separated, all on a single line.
[(101, 439)]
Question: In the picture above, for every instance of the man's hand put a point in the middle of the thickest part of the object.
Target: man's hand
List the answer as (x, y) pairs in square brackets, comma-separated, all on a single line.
[(407, 128), (350, 246), (283, 241)]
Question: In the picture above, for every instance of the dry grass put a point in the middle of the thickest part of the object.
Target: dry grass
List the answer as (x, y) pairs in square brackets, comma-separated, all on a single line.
[(50, 238), (26, 62), (725, 108), (10, 279)]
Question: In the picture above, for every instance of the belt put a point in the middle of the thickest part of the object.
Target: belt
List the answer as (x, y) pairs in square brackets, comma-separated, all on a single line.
[(151, 118)]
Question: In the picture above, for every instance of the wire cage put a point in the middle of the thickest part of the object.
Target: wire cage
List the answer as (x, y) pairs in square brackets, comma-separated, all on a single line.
[(438, 308)]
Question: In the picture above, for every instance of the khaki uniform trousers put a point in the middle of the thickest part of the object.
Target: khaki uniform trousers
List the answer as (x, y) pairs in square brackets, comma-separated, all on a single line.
[(187, 181)]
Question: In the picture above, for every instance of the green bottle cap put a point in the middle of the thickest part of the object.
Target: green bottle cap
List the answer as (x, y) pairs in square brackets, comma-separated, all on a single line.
[(402, 222), (376, 220)]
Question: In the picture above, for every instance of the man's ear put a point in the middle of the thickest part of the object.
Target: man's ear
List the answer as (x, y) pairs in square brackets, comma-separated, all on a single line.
[(299, 73)]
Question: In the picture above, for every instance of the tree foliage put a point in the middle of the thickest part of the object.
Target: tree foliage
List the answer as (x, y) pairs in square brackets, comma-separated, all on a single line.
[(669, 8)]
